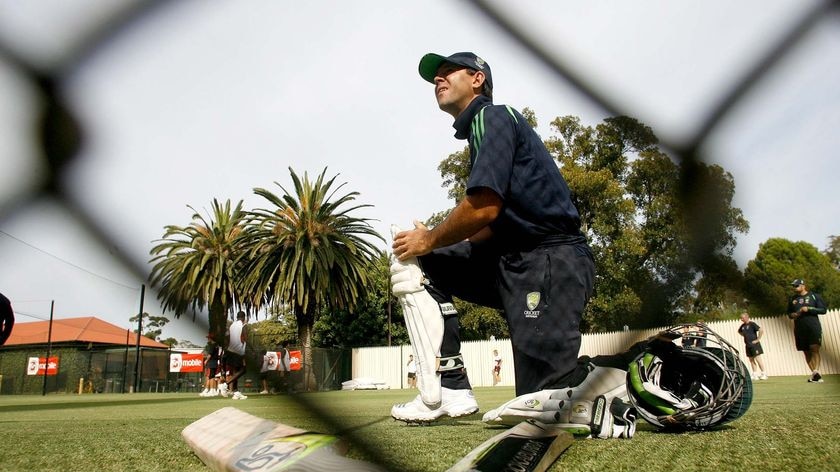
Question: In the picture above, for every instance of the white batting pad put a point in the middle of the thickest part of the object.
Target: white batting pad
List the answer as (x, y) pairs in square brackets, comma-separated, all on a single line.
[(424, 321)]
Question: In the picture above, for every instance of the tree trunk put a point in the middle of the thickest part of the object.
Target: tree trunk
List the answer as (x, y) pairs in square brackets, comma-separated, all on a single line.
[(218, 322), (305, 321)]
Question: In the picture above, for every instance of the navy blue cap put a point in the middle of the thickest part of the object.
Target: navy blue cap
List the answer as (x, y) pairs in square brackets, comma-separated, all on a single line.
[(797, 282), (430, 63)]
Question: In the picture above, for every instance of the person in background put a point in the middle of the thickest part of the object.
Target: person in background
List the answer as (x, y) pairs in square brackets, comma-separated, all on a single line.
[(265, 370), (497, 367), (752, 334), (7, 319), (412, 372), (804, 309), (234, 357), (212, 356)]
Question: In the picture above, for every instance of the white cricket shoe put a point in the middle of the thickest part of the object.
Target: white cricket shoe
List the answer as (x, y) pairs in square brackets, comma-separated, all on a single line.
[(238, 396), (204, 392), (454, 403), (212, 393)]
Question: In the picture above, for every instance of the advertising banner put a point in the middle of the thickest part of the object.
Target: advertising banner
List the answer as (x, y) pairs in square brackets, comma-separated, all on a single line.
[(276, 361), (179, 362), (36, 365), (295, 360)]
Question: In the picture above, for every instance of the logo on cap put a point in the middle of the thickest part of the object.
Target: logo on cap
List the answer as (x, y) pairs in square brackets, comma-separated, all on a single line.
[(479, 62)]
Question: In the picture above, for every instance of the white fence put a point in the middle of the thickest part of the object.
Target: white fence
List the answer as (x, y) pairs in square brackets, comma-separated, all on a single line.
[(388, 364)]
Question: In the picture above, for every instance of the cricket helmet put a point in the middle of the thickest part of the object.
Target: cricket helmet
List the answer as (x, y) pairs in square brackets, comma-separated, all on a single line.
[(691, 387)]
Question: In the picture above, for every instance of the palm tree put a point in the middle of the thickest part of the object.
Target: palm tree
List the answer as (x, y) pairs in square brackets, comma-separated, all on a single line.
[(308, 251), (194, 266)]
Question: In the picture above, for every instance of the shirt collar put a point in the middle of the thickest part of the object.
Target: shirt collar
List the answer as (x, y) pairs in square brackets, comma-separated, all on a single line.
[(462, 123)]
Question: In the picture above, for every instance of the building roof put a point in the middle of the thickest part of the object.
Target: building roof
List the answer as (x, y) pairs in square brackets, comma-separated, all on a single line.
[(87, 329)]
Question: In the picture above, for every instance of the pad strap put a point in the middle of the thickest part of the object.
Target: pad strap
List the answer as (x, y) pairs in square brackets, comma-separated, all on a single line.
[(451, 363)]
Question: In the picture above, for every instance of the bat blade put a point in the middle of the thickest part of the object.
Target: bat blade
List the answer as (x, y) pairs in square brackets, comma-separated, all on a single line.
[(231, 440), (529, 446)]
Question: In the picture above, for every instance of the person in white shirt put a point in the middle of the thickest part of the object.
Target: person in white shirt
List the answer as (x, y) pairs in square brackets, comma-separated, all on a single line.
[(497, 367), (412, 372), (234, 358)]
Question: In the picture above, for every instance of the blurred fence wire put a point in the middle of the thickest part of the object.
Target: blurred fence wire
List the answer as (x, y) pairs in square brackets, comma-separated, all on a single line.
[(60, 135)]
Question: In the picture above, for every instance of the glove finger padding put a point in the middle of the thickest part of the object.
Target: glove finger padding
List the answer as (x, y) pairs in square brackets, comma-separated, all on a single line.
[(406, 277), (612, 418)]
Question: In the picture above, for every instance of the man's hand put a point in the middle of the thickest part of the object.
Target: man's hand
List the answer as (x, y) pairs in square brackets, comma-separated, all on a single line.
[(467, 219), (411, 243), (804, 309)]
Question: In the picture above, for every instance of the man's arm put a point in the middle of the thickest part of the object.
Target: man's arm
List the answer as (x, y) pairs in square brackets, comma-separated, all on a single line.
[(819, 307), (474, 213)]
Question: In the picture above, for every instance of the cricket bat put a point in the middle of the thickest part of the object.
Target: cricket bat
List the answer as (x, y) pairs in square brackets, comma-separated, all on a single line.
[(529, 446), (231, 440)]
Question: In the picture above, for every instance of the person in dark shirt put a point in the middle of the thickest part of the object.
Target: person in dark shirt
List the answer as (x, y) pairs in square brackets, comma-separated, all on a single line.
[(7, 319), (804, 309), (512, 243), (752, 333)]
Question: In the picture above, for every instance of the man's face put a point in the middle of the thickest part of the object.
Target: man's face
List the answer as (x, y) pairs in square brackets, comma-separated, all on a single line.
[(745, 317), (454, 88), (799, 289)]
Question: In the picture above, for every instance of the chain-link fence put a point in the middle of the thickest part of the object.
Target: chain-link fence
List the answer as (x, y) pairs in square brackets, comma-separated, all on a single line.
[(57, 134), (85, 370)]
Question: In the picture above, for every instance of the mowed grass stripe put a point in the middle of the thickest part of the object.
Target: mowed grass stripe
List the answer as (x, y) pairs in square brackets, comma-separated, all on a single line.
[(792, 425)]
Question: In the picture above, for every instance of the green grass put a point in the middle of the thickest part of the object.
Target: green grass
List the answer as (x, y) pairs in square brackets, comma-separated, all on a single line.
[(792, 425)]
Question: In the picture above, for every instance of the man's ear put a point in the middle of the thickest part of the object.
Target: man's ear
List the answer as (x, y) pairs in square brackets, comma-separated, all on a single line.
[(478, 80)]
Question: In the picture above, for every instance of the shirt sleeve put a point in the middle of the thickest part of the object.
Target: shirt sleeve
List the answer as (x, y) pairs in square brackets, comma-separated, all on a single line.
[(819, 307), (494, 145)]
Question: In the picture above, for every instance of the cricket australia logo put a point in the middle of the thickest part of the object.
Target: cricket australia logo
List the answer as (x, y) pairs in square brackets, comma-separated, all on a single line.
[(479, 62), (532, 300)]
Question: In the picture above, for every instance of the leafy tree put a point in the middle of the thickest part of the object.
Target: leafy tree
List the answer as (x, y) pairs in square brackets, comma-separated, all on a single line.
[(636, 215), (183, 344), (171, 342), (194, 265), (277, 328), (778, 261), (480, 322), (367, 324), (152, 325), (833, 251), (308, 251)]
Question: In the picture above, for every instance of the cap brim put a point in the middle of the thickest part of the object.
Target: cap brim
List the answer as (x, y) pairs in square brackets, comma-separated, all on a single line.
[(429, 65)]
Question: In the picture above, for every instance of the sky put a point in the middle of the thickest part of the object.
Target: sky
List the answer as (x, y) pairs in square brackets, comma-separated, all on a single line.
[(204, 100)]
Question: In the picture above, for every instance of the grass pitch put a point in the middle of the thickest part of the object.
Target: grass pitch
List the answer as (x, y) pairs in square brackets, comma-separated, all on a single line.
[(791, 425)]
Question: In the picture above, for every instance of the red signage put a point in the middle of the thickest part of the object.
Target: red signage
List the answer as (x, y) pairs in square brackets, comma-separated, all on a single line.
[(276, 361), (36, 366), (294, 360), (180, 362)]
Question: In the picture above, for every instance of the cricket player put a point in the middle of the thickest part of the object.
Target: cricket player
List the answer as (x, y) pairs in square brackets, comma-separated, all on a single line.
[(513, 243), (804, 308)]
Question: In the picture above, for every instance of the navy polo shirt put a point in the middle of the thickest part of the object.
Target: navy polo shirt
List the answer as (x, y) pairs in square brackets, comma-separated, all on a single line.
[(508, 157)]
